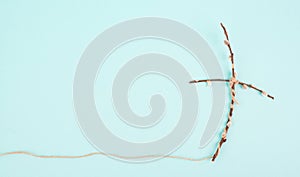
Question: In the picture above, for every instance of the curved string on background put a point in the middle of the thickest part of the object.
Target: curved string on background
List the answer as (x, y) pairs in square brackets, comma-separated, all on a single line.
[(100, 153)]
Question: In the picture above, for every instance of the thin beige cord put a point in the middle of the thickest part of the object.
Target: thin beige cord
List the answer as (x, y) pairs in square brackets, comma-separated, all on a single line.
[(100, 153)]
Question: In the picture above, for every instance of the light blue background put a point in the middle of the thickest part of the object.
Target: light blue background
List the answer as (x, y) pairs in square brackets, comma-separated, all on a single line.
[(40, 46)]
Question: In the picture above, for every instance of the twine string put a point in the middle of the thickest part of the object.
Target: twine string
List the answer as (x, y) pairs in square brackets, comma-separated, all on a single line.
[(103, 154)]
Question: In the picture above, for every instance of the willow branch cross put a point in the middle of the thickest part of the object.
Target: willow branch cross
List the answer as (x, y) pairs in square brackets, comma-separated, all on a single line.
[(232, 83)]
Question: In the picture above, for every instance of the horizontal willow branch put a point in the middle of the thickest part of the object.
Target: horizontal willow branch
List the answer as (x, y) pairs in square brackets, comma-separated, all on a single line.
[(245, 85)]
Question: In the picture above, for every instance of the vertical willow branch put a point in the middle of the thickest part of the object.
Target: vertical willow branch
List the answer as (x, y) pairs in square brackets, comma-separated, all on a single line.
[(232, 82)]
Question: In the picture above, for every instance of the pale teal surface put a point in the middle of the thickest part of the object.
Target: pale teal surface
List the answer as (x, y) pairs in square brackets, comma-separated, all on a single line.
[(41, 44)]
